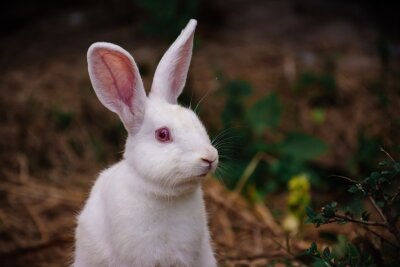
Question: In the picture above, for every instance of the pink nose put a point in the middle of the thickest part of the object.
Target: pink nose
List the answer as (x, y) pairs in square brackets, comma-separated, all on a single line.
[(210, 154), (207, 160)]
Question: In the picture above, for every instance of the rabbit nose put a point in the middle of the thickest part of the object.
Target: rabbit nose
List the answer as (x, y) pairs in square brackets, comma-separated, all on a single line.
[(210, 155), (207, 160)]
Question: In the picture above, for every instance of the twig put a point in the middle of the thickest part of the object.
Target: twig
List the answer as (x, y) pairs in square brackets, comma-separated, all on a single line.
[(217, 199), (290, 254), (287, 243), (347, 218), (245, 177), (387, 154), (381, 237), (391, 226), (395, 196), (383, 217), (345, 178), (393, 229), (265, 215), (248, 172)]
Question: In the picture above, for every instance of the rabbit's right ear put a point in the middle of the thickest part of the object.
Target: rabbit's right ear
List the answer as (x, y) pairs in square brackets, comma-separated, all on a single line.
[(117, 83), (170, 76)]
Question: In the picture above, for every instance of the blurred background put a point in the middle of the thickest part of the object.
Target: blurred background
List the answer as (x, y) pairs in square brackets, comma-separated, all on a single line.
[(294, 93)]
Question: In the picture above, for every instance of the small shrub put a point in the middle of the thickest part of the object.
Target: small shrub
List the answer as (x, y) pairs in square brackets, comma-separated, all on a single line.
[(380, 188), (352, 256)]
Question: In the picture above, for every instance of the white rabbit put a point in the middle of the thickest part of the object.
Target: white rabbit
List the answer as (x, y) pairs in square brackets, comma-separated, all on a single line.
[(148, 209)]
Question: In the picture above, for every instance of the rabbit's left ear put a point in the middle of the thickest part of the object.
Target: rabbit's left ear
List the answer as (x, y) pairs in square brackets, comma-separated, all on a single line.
[(170, 76), (117, 83)]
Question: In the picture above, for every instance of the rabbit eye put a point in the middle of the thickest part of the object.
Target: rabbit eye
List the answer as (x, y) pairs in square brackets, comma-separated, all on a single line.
[(163, 135)]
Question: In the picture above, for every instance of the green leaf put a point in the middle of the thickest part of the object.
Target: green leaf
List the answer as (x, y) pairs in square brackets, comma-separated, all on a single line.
[(233, 112), (265, 114), (63, 119), (353, 254), (384, 163), (375, 175), (397, 167), (319, 263), (326, 254), (329, 210), (356, 190), (328, 82), (365, 215), (263, 147), (302, 147), (238, 88), (310, 212), (313, 249), (318, 115), (353, 189)]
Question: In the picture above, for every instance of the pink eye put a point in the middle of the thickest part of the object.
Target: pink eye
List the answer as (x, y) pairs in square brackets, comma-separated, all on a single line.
[(163, 135)]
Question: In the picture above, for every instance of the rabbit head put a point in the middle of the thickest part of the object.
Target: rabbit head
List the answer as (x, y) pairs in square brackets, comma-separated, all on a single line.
[(167, 145)]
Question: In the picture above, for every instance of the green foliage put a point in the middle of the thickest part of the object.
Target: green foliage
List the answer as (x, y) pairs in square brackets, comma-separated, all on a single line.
[(289, 154), (62, 118), (234, 110), (98, 148), (366, 154), (324, 81), (381, 189), (299, 198), (301, 147), (320, 88), (318, 115), (352, 256), (167, 18), (299, 195), (265, 114)]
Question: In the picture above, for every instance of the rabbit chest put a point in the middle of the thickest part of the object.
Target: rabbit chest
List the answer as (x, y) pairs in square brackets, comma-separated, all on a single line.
[(143, 230)]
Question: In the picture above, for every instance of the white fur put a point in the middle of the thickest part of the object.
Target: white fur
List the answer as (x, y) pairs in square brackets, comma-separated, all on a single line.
[(147, 210)]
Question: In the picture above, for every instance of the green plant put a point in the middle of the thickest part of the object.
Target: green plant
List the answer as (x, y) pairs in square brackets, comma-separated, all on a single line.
[(352, 256), (381, 189), (63, 119), (297, 201), (275, 155), (319, 88), (366, 155)]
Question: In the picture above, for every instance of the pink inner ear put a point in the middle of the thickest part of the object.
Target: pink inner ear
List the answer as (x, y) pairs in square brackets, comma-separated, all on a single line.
[(179, 72), (117, 76), (170, 76)]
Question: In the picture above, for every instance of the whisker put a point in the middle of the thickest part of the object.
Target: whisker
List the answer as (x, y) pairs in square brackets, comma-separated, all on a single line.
[(191, 98), (222, 133), (228, 140), (201, 99)]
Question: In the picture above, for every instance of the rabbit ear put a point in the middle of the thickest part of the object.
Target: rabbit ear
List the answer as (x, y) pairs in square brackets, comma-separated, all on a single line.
[(117, 83), (170, 76)]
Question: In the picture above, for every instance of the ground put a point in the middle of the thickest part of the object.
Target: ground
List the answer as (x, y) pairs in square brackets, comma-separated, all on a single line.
[(55, 136)]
